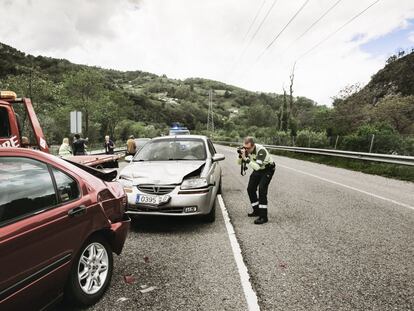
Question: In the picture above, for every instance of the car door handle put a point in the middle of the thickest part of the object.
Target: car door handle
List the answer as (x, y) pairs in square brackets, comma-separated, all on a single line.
[(77, 211)]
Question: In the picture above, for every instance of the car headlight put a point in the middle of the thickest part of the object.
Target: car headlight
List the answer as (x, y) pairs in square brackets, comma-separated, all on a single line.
[(126, 183), (194, 183)]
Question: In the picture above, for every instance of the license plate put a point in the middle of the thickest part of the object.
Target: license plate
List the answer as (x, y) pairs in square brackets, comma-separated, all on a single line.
[(152, 199)]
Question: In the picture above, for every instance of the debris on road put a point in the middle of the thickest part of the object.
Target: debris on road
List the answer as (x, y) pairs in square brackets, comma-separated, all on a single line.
[(147, 289), (122, 299), (283, 265), (146, 259), (129, 279)]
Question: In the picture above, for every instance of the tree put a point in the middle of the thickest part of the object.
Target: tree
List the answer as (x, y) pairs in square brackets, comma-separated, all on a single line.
[(86, 91), (290, 111), (397, 111), (45, 94), (347, 92), (115, 107), (283, 113)]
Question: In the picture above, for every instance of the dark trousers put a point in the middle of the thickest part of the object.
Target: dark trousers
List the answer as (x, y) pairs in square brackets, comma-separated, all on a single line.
[(262, 180)]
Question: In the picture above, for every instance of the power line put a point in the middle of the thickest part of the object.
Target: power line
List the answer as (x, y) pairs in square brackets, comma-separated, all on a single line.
[(254, 20), (253, 36), (283, 29), (258, 28), (314, 23), (334, 32), (338, 30)]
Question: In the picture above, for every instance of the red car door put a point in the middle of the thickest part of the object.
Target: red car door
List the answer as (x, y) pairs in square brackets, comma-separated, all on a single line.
[(43, 222)]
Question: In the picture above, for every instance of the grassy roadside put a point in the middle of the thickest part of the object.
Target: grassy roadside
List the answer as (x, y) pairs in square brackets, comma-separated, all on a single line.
[(401, 172)]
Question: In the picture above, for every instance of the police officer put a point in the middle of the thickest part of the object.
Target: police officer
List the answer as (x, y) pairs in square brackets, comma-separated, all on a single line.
[(257, 158)]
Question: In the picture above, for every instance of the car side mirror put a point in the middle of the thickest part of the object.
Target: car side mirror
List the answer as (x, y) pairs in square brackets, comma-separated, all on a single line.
[(129, 158), (218, 157)]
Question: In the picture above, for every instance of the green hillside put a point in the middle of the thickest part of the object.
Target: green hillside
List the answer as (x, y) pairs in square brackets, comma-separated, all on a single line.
[(134, 101), (144, 104), (387, 98)]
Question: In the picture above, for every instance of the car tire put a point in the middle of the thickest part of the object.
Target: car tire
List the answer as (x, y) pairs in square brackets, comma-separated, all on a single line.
[(135, 219), (97, 254), (211, 216), (220, 189)]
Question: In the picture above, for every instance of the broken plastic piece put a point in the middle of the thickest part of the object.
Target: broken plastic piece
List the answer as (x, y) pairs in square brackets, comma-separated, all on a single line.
[(129, 279), (147, 290)]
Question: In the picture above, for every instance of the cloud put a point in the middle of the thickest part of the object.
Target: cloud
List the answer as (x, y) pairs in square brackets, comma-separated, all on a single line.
[(50, 26), (411, 37), (188, 38)]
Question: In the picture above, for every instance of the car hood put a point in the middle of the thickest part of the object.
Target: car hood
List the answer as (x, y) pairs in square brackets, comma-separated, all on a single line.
[(159, 172)]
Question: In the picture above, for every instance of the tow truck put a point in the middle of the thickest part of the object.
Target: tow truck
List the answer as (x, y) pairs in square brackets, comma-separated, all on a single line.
[(19, 127)]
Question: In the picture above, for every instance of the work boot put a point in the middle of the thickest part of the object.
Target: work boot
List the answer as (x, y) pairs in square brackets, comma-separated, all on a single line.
[(262, 217), (255, 212)]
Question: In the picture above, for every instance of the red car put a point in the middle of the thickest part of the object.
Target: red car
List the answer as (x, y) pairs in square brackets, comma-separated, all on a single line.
[(58, 228)]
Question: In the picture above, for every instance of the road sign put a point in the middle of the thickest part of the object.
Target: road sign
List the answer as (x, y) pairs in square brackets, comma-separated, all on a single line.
[(75, 122)]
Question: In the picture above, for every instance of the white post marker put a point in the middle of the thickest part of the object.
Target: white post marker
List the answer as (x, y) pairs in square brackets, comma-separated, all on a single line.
[(249, 294), (76, 122)]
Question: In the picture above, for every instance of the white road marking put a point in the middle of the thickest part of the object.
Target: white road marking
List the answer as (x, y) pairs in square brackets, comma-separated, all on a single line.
[(249, 294), (349, 187)]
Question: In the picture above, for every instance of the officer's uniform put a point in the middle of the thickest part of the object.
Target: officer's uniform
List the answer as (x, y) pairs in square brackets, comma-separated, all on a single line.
[(263, 169)]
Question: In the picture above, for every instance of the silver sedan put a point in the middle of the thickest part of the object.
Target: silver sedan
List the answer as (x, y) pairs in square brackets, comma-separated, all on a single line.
[(174, 176)]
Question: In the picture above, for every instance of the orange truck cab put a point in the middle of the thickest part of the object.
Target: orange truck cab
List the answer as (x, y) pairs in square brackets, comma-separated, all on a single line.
[(11, 128)]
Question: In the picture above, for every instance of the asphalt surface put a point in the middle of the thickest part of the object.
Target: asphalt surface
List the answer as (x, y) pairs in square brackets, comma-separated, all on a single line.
[(336, 240)]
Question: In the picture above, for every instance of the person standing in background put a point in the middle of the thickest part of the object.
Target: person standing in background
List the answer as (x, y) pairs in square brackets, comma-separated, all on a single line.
[(109, 145), (79, 145), (131, 146), (64, 149)]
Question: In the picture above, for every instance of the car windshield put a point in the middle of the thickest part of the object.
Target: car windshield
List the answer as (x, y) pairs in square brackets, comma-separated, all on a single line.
[(172, 149)]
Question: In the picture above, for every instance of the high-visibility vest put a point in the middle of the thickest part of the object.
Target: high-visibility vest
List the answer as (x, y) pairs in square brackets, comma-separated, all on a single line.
[(259, 158)]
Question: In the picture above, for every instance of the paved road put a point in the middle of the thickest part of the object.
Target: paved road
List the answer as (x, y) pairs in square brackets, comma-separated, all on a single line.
[(327, 246), (190, 264), (336, 240)]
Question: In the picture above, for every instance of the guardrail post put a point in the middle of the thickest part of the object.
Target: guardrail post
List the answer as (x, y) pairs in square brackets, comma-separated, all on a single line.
[(372, 143)]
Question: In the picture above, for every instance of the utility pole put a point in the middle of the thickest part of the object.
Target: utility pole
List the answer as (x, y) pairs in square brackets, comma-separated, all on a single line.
[(210, 116), (290, 110)]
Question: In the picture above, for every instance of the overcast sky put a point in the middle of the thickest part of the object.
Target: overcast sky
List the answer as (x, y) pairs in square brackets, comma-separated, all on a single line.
[(210, 39)]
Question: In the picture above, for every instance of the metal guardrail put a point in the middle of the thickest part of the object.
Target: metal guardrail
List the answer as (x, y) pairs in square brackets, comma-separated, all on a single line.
[(376, 157)]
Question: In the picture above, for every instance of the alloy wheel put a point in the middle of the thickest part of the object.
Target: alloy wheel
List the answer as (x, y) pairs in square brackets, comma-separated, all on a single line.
[(93, 268)]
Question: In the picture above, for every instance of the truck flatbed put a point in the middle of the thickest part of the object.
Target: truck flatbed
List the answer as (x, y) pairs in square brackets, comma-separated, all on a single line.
[(96, 160)]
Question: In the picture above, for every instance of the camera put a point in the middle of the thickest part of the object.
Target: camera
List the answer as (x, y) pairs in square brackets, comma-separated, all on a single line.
[(243, 166), (239, 150)]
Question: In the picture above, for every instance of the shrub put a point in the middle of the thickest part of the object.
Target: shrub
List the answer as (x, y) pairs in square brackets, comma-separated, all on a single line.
[(307, 138)]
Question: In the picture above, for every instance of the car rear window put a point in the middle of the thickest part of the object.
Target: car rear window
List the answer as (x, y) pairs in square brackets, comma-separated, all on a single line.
[(172, 149), (67, 187), (26, 187)]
